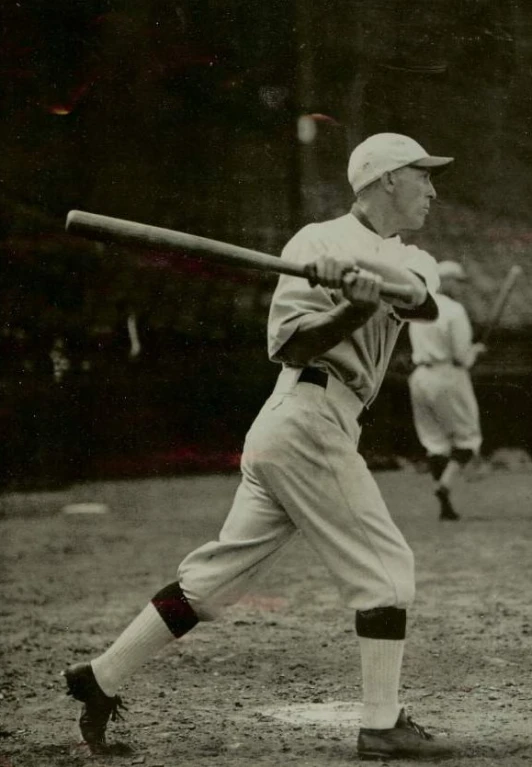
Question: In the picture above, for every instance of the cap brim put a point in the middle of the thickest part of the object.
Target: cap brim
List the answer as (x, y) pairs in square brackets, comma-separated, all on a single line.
[(434, 164)]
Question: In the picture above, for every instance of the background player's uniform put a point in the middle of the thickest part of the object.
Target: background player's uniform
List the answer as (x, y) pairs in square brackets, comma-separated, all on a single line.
[(301, 469), (445, 409)]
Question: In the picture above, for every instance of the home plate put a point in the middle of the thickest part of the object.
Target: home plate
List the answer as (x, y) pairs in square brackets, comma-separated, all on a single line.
[(333, 714), (85, 508)]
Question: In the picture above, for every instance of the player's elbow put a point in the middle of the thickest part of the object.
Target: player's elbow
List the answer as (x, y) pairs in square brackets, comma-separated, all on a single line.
[(294, 353)]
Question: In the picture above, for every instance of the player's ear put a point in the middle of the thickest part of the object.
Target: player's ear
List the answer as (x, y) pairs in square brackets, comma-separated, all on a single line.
[(388, 181)]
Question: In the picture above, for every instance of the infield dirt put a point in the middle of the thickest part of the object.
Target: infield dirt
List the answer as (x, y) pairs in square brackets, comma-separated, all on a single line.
[(276, 681)]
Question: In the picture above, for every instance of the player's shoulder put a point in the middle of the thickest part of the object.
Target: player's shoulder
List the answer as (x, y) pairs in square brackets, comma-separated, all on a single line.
[(413, 252), (330, 226), (405, 251), (451, 307), (312, 235)]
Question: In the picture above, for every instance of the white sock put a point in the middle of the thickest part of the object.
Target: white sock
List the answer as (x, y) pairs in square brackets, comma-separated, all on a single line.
[(146, 635), (381, 661)]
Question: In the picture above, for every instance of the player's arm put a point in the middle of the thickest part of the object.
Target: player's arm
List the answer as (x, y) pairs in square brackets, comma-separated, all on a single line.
[(465, 352), (317, 332), (426, 311), (329, 270)]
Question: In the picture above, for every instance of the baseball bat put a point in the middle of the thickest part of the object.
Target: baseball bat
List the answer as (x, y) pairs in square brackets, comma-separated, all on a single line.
[(93, 226), (501, 301)]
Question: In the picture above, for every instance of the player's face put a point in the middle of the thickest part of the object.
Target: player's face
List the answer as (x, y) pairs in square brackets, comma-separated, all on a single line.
[(413, 193)]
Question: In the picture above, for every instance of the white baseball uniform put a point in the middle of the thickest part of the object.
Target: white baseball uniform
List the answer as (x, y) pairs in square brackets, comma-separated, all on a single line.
[(301, 470), (444, 405)]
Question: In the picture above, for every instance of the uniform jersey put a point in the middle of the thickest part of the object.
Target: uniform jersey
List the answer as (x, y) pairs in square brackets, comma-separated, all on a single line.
[(448, 339), (359, 361), (444, 405), (301, 469)]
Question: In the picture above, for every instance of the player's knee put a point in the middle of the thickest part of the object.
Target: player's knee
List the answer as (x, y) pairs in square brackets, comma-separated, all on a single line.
[(437, 464), (199, 600), (462, 455), (175, 609), (381, 623), (406, 580)]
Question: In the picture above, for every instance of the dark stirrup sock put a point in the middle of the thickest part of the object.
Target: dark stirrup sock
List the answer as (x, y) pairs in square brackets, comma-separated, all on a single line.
[(381, 623), (437, 464), (175, 610)]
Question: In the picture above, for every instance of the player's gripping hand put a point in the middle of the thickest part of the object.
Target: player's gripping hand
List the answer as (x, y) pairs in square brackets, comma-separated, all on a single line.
[(363, 290), (330, 268)]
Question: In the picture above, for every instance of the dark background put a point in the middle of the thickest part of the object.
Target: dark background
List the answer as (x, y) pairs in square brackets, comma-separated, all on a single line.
[(188, 115)]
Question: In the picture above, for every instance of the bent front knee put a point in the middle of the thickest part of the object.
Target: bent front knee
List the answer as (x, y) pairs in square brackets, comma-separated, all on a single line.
[(405, 586)]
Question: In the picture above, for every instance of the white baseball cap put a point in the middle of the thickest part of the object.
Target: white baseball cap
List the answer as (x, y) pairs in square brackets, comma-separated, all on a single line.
[(451, 269), (385, 152)]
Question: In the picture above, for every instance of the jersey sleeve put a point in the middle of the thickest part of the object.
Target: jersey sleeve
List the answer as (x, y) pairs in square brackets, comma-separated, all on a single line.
[(461, 336), (424, 266), (293, 297)]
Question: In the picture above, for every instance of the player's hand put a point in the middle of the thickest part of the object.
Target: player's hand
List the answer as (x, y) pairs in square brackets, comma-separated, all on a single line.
[(363, 290), (329, 268), (479, 348)]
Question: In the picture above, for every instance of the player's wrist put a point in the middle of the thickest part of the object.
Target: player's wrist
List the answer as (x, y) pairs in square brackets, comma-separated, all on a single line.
[(351, 315)]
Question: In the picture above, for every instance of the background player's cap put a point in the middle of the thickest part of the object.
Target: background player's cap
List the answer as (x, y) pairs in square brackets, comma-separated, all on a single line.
[(451, 269), (385, 152)]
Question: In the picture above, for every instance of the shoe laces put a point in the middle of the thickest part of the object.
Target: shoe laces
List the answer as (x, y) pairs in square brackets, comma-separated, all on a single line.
[(116, 703), (418, 729)]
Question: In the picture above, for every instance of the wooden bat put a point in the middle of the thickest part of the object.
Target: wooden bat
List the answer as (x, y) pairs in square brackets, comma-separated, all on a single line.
[(104, 228), (501, 301)]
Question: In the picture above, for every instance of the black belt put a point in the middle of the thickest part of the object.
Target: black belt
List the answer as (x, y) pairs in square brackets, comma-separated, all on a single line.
[(438, 364), (319, 378), (313, 376)]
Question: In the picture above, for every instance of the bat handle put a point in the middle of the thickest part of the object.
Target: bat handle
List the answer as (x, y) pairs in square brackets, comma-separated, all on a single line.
[(389, 291)]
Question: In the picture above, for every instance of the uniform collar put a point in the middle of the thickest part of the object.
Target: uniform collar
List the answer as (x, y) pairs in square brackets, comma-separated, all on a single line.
[(362, 218)]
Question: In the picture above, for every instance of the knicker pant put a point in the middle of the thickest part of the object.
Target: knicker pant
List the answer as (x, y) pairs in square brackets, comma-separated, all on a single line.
[(301, 471), (445, 409)]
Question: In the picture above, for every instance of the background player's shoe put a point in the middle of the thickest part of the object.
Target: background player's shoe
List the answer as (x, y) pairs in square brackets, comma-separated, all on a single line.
[(407, 740), (446, 508), (98, 706)]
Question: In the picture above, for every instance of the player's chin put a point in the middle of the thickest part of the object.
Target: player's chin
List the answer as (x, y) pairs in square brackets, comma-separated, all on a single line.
[(418, 220)]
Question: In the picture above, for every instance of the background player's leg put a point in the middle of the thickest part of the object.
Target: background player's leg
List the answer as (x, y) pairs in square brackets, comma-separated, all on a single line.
[(429, 422), (437, 465), (460, 410)]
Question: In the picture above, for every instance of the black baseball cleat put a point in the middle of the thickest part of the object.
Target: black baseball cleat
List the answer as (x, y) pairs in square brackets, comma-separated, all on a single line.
[(446, 507), (98, 707), (407, 740)]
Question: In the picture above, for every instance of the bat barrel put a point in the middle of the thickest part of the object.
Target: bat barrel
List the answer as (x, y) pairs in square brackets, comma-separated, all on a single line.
[(105, 228), (501, 301)]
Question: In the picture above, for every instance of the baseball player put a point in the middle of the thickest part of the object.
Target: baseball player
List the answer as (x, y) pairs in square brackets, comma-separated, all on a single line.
[(445, 408), (301, 469)]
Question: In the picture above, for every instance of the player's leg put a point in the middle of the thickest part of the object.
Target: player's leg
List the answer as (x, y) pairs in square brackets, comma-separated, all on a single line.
[(433, 422), (460, 409), (458, 460), (326, 488), (332, 498), (213, 576)]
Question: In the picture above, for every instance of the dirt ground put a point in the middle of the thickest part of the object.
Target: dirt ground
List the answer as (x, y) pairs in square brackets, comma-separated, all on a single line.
[(277, 680)]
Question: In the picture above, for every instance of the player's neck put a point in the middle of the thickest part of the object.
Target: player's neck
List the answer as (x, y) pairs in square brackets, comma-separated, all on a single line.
[(373, 219)]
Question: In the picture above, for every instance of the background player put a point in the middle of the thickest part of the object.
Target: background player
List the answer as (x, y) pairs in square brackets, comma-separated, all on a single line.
[(301, 470), (446, 416)]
